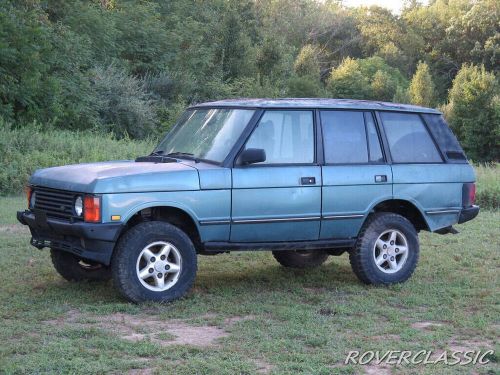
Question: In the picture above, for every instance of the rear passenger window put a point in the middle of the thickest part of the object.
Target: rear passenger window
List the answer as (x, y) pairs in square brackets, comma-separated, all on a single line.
[(409, 141), (347, 140)]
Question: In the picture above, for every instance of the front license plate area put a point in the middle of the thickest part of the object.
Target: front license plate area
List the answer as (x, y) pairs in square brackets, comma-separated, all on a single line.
[(40, 219)]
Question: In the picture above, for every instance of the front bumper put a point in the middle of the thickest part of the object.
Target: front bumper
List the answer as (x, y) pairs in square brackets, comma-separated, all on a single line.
[(468, 213), (86, 240)]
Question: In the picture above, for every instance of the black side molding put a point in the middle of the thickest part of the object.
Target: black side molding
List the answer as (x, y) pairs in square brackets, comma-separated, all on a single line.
[(275, 246)]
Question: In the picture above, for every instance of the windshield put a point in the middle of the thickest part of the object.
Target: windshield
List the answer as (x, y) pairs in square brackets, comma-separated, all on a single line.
[(205, 133)]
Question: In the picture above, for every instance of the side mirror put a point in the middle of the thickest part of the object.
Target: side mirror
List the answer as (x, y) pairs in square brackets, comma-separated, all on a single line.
[(251, 156)]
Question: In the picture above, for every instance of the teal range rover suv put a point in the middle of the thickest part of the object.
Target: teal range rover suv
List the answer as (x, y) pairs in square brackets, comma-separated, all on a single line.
[(304, 178)]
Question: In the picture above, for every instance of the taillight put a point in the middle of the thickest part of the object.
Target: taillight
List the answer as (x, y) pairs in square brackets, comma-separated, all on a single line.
[(92, 209), (468, 194), (29, 191)]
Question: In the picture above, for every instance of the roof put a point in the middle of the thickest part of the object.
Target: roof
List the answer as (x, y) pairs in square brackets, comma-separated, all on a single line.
[(317, 103)]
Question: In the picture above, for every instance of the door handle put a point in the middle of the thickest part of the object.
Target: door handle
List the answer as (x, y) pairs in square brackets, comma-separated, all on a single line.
[(380, 178), (308, 180)]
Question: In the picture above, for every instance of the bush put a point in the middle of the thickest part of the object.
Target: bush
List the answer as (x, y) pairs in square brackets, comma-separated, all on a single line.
[(488, 186), (26, 149), (304, 87), (370, 78), (125, 107)]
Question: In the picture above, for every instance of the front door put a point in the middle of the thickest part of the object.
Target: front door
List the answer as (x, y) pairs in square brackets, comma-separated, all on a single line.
[(279, 199), (355, 175)]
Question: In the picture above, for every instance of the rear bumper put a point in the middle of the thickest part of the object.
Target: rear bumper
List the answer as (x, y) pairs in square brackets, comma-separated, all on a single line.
[(87, 240), (468, 213)]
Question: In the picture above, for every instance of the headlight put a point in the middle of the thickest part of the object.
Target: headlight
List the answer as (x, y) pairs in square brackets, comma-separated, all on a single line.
[(79, 206), (32, 199)]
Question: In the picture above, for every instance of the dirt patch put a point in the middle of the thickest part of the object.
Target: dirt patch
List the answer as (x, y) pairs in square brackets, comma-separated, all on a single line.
[(377, 370), (140, 371), (463, 345), (263, 367), (426, 325), (148, 327), (238, 318), (14, 229)]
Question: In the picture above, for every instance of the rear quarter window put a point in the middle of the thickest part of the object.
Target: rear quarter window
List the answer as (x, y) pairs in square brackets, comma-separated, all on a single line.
[(409, 140), (445, 138)]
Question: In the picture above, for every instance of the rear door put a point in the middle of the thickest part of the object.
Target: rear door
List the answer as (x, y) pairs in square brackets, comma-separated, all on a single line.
[(355, 173), (279, 199)]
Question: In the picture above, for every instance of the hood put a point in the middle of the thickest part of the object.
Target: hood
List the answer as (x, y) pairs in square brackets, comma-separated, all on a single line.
[(125, 176)]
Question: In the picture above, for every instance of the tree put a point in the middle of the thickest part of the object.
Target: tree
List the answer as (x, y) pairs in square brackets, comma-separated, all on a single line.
[(473, 111), (381, 86), (369, 78), (421, 89), (304, 87), (384, 79), (347, 81), (269, 58), (307, 62)]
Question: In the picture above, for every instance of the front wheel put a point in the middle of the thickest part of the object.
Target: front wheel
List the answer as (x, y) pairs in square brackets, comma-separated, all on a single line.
[(154, 261), (387, 250), (73, 268)]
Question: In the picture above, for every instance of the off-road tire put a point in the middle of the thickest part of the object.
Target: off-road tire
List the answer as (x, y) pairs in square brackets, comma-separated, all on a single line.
[(130, 245), (301, 258), (71, 268), (362, 259)]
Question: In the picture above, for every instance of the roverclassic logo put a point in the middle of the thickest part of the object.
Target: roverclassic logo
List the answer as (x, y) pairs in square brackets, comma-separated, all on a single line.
[(424, 357)]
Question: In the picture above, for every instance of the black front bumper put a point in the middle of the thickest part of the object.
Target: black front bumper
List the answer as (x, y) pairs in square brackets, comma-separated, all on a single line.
[(468, 213), (87, 240)]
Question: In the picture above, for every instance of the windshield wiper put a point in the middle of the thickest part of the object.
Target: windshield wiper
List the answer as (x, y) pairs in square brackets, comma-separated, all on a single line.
[(156, 153), (185, 155)]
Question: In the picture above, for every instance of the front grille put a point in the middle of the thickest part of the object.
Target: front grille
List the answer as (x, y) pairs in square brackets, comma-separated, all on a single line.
[(55, 203)]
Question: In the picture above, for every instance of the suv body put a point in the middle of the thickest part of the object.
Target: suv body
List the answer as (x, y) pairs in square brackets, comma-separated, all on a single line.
[(306, 178)]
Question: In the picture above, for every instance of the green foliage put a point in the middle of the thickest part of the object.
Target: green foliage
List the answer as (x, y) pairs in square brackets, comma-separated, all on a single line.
[(26, 149), (488, 186), (369, 78), (304, 87), (473, 111), (307, 62), (401, 96), (124, 105), (175, 53), (347, 81), (421, 91), (30, 74)]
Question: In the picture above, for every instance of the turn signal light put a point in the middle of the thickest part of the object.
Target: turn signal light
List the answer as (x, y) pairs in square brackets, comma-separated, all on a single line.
[(28, 190), (92, 209)]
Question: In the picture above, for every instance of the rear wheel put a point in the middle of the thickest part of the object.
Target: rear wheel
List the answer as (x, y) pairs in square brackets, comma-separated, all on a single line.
[(154, 261), (301, 258), (387, 250), (73, 268)]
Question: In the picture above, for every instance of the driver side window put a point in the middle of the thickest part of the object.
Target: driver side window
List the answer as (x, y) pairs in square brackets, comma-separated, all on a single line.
[(287, 137)]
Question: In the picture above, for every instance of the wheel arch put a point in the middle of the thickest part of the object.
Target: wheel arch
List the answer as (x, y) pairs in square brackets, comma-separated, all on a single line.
[(405, 208), (171, 212)]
